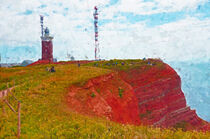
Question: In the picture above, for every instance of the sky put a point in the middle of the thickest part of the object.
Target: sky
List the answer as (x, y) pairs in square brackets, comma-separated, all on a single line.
[(173, 30)]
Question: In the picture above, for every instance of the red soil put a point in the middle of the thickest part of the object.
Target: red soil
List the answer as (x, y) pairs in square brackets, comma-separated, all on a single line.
[(100, 96), (40, 62), (44, 62), (151, 95)]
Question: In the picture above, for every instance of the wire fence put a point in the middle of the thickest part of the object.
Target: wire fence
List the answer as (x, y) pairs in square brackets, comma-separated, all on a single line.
[(4, 99)]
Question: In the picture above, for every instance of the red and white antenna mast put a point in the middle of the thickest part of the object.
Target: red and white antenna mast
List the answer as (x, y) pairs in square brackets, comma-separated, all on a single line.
[(95, 14)]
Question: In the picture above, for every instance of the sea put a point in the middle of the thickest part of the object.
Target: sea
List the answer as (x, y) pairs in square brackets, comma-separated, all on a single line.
[(195, 81)]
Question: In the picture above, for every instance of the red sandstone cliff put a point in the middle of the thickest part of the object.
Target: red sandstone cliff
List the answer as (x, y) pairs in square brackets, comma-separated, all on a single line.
[(149, 95), (160, 98), (100, 96)]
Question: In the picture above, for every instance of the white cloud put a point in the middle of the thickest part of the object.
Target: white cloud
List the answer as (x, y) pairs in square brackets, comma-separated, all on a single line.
[(155, 6), (181, 40), (177, 5)]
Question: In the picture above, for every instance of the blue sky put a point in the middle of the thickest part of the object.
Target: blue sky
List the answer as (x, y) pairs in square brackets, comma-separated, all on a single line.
[(168, 29)]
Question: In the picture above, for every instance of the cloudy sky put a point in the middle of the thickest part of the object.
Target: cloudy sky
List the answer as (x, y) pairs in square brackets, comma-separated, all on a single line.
[(173, 30)]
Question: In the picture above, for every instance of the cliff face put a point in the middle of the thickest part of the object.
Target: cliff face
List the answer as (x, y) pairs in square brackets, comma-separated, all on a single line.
[(149, 95), (106, 96), (160, 98)]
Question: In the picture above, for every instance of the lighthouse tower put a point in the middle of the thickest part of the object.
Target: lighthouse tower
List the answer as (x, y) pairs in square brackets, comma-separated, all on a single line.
[(47, 45)]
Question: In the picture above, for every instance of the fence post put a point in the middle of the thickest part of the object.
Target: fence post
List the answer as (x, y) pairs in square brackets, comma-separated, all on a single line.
[(8, 88), (19, 126), (3, 108)]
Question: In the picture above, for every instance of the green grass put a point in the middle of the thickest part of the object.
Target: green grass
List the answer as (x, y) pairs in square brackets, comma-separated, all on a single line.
[(124, 65), (44, 112)]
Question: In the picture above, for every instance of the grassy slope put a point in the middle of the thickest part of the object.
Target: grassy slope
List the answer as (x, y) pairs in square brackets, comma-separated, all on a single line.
[(45, 115)]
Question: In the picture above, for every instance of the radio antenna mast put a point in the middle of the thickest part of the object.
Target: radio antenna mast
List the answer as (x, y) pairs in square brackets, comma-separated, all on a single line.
[(42, 24), (97, 50)]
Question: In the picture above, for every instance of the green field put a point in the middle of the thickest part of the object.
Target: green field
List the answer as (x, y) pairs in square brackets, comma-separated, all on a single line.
[(44, 113)]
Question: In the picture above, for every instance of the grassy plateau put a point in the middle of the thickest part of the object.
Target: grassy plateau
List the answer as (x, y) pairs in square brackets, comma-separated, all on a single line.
[(44, 113)]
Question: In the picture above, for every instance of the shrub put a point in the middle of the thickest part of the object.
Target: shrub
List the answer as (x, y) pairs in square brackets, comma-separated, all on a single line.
[(181, 125), (147, 114), (98, 90), (92, 95), (120, 92)]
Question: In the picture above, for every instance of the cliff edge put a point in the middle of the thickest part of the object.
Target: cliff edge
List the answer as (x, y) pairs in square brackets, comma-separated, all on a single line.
[(148, 93)]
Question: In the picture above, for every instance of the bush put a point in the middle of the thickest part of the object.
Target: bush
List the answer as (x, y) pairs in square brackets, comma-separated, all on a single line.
[(98, 90), (92, 95), (120, 92)]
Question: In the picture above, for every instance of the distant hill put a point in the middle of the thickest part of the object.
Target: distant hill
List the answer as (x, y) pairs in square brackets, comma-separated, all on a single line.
[(26, 63), (9, 64)]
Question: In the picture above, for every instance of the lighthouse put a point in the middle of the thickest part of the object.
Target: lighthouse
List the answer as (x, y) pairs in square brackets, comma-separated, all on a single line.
[(47, 45)]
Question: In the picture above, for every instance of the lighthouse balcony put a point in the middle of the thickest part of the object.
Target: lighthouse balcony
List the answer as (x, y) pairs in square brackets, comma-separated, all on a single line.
[(47, 38)]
